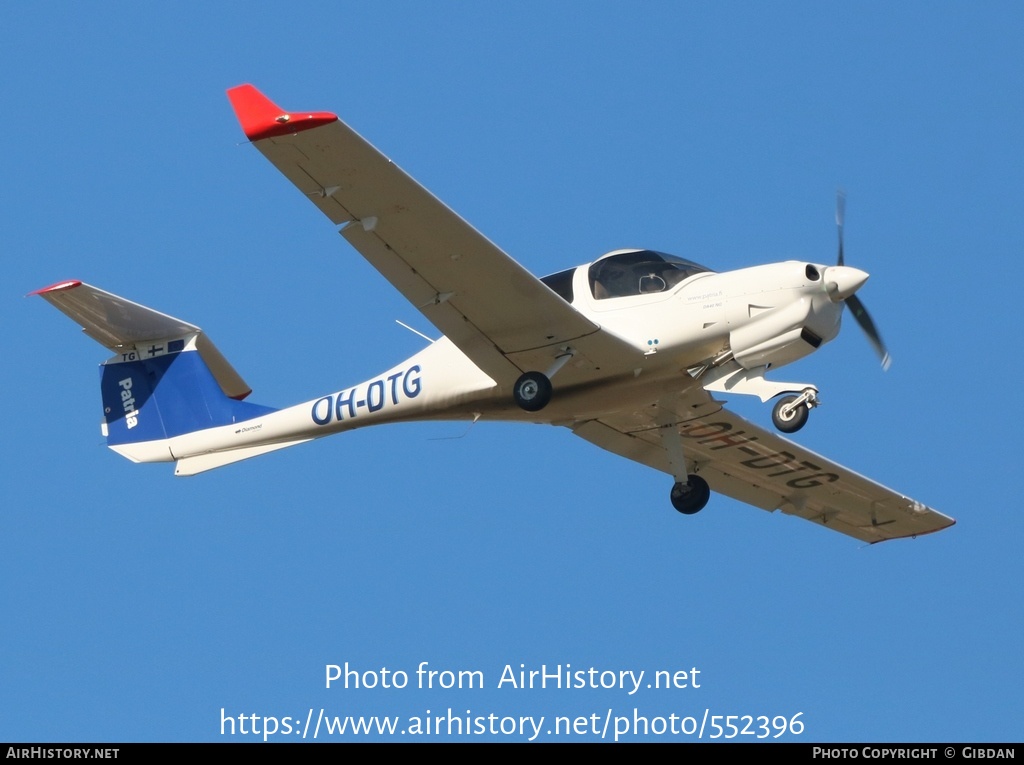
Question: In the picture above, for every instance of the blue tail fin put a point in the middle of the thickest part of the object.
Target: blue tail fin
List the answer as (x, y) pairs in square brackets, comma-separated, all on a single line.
[(169, 394)]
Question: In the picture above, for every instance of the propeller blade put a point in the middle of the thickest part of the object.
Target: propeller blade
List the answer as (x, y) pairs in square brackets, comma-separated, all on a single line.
[(860, 313), (840, 220)]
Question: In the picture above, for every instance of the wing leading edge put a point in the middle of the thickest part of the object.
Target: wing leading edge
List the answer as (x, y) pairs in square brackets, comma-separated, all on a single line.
[(758, 467), (497, 313)]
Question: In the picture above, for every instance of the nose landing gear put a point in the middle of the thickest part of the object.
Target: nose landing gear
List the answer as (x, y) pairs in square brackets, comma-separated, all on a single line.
[(791, 412)]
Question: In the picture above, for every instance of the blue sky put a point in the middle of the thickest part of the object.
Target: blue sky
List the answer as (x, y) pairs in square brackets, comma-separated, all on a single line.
[(138, 606)]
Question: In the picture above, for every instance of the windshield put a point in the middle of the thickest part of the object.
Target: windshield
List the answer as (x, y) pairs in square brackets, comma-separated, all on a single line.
[(561, 283), (639, 272)]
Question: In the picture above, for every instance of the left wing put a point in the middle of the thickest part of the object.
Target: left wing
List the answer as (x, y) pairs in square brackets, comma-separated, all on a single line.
[(497, 313), (758, 467)]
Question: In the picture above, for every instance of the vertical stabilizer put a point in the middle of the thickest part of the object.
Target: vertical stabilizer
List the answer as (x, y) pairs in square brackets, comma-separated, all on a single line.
[(169, 394)]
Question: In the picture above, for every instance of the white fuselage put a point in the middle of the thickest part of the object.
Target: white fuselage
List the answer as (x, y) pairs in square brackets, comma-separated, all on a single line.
[(762, 316)]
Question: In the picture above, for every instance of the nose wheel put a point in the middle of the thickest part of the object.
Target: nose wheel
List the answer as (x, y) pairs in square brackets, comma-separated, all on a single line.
[(791, 412), (690, 497)]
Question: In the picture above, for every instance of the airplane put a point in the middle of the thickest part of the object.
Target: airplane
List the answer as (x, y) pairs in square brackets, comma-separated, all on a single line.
[(627, 352)]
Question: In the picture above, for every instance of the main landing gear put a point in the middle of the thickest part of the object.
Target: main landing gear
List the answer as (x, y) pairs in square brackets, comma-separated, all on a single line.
[(690, 497), (532, 391), (690, 492)]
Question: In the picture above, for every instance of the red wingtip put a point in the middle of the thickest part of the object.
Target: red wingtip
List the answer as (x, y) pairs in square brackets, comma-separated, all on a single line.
[(262, 118), (66, 285)]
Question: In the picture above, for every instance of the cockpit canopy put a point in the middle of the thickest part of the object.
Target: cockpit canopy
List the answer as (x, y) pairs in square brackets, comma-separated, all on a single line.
[(639, 272), (628, 272)]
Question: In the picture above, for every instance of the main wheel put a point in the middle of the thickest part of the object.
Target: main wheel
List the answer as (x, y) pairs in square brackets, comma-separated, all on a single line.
[(789, 421), (690, 497), (532, 391)]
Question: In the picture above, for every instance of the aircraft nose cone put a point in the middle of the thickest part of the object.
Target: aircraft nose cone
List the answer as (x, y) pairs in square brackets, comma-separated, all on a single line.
[(843, 281)]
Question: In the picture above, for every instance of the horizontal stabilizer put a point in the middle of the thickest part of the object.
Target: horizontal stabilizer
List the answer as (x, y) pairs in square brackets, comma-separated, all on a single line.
[(121, 325), (203, 462)]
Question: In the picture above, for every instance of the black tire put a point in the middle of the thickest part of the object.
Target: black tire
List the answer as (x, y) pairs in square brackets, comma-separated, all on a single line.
[(794, 420), (532, 391), (690, 497)]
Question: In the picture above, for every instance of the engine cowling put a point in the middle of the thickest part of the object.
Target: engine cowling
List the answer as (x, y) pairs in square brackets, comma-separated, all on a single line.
[(775, 337)]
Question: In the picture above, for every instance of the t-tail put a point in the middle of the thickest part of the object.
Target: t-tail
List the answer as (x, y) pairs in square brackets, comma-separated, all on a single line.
[(165, 384)]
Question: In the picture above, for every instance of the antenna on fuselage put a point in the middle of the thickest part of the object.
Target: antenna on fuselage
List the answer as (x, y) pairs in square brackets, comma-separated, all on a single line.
[(414, 331), (476, 417)]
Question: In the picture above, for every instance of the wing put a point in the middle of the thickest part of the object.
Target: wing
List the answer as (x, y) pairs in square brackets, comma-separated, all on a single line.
[(497, 313), (753, 465)]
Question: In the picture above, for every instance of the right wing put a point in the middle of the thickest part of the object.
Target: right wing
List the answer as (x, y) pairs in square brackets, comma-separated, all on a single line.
[(753, 465), (497, 313)]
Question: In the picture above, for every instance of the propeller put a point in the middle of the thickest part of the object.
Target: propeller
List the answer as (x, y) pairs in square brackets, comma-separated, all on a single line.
[(856, 306), (840, 219)]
